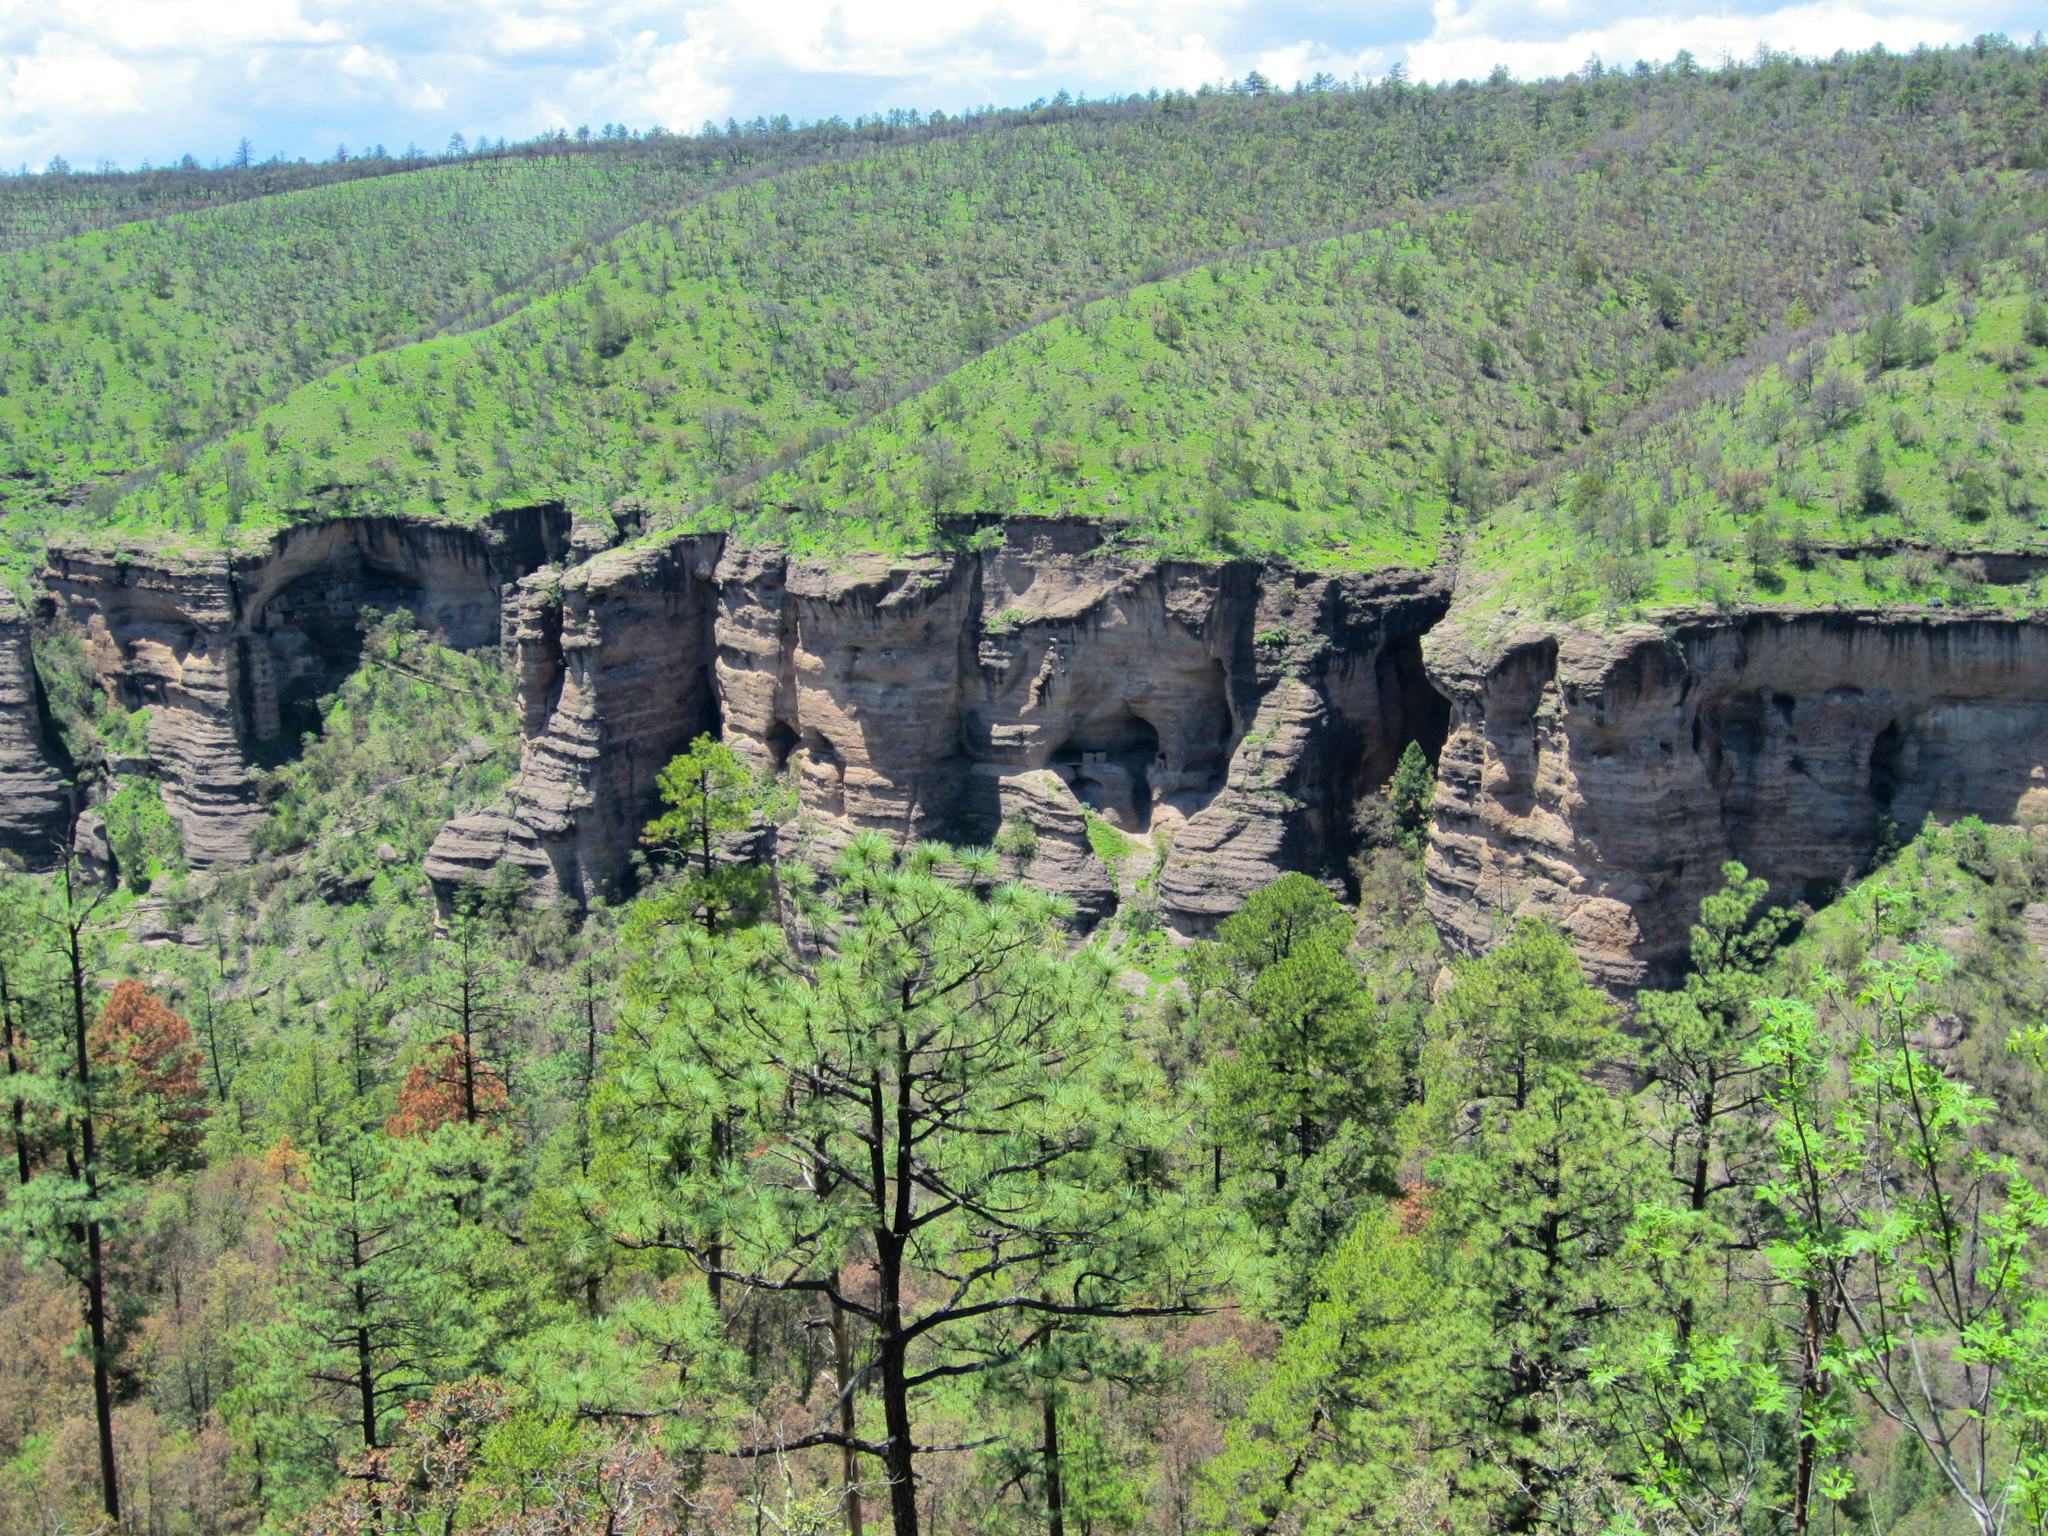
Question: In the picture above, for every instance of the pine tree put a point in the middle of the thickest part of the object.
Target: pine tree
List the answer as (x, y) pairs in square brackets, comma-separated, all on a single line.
[(1533, 1188), (1299, 1045), (711, 794), (1695, 1050), (370, 1314), (1410, 792), (944, 1093), (1358, 1413), (70, 1196)]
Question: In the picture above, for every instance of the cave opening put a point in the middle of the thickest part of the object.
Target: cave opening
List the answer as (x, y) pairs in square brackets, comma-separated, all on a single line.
[(781, 741), (1109, 762), (1887, 766), (312, 634), (1411, 711)]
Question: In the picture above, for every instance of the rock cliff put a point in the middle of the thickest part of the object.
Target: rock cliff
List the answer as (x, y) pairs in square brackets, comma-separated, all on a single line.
[(1602, 778), (228, 654), (36, 803), (1032, 674), (1234, 713)]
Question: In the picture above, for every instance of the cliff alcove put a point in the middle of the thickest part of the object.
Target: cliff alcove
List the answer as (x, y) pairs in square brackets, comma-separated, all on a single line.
[(1231, 716)]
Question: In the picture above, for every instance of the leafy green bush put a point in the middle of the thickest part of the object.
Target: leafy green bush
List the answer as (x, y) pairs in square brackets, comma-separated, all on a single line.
[(1108, 844), (146, 842)]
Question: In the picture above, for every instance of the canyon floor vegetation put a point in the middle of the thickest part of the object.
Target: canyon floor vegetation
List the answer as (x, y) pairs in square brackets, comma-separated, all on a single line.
[(775, 1193)]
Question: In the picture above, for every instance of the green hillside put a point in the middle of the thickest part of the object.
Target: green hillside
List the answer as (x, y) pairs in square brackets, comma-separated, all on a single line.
[(1349, 401), (707, 347), (64, 201), (121, 345), (709, 340), (1902, 461), (128, 343)]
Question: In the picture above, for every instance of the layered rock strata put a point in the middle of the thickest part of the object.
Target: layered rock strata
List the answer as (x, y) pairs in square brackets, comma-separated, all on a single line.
[(1601, 779), (36, 798), (228, 654), (1238, 710), (1035, 676)]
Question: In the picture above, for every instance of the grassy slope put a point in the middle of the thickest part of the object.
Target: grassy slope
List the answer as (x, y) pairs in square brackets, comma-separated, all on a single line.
[(121, 345), (1332, 420), (1757, 495), (776, 310), (1724, 204), (39, 208)]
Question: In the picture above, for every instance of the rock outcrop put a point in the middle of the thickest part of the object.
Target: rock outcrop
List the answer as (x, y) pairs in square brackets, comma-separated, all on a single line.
[(1242, 710), (228, 654), (36, 801), (614, 662), (1035, 675), (1601, 779)]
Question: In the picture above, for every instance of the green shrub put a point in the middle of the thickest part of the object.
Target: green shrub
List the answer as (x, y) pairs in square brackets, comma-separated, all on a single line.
[(146, 842), (1110, 845)]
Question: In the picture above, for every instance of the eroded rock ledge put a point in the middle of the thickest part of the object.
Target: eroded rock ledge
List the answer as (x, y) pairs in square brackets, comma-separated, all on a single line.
[(1601, 778), (36, 799), (1597, 777), (1242, 710), (229, 654)]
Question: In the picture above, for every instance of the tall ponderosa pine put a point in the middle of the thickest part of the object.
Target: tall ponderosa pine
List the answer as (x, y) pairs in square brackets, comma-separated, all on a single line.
[(1537, 1177), (946, 1096), (371, 1313), (1300, 1047), (710, 794), (70, 1193)]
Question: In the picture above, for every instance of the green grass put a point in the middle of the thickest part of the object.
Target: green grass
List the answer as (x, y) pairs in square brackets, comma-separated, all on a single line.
[(1105, 841), (1760, 497), (1591, 249)]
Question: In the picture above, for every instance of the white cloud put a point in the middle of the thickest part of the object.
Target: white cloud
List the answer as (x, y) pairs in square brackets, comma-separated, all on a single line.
[(158, 27), (943, 46), (1466, 43), (517, 33), (153, 78), (64, 75), (1306, 60), (360, 63)]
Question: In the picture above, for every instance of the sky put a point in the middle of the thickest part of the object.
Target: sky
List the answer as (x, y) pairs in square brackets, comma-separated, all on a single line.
[(128, 81)]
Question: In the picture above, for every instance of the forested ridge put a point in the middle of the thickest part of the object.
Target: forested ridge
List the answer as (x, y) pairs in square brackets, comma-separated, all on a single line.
[(1535, 269), (829, 1180)]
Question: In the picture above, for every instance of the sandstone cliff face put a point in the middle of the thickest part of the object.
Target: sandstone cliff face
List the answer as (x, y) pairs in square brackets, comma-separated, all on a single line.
[(1234, 712), (1240, 710), (1602, 779), (228, 655), (613, 660), (35, 791)]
